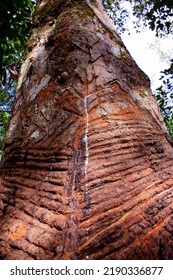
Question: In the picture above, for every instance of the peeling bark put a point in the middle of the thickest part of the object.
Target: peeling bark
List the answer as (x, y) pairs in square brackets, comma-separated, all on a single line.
[(87, 168)]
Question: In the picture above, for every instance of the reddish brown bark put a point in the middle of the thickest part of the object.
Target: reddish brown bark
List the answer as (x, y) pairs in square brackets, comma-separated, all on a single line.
[(87, 169)]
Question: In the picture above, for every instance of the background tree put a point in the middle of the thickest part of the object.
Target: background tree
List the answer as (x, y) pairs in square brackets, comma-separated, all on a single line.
[(15, 24)]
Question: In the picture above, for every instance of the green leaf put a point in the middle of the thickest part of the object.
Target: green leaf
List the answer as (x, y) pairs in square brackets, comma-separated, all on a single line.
[(3, 6)]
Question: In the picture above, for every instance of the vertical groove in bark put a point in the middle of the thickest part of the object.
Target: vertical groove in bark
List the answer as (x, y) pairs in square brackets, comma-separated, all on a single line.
[(87, 170), (86, 139)]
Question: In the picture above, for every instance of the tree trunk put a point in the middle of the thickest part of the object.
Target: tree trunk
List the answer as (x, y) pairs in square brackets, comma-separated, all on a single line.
[(87, 168)]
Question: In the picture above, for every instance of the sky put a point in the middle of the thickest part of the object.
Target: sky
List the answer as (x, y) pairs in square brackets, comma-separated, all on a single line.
[(151, 54)]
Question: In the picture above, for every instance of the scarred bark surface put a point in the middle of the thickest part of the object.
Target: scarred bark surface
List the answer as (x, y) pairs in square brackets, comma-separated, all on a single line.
[(87, 169)]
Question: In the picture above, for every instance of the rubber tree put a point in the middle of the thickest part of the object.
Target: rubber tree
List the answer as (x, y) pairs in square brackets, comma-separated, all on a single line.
[(87, 166)]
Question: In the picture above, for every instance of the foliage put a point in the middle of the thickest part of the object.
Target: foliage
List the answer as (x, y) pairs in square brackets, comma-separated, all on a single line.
[(157, 14), (4, 120), (15, 24), (118, 13), (164, 97)]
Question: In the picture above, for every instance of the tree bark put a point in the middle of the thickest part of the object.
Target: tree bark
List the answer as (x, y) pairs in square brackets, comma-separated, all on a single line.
[(87, 168)]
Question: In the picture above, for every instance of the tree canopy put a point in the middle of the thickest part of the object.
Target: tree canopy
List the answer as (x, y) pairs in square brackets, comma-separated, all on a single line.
[(15, 26), (157, 14)]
